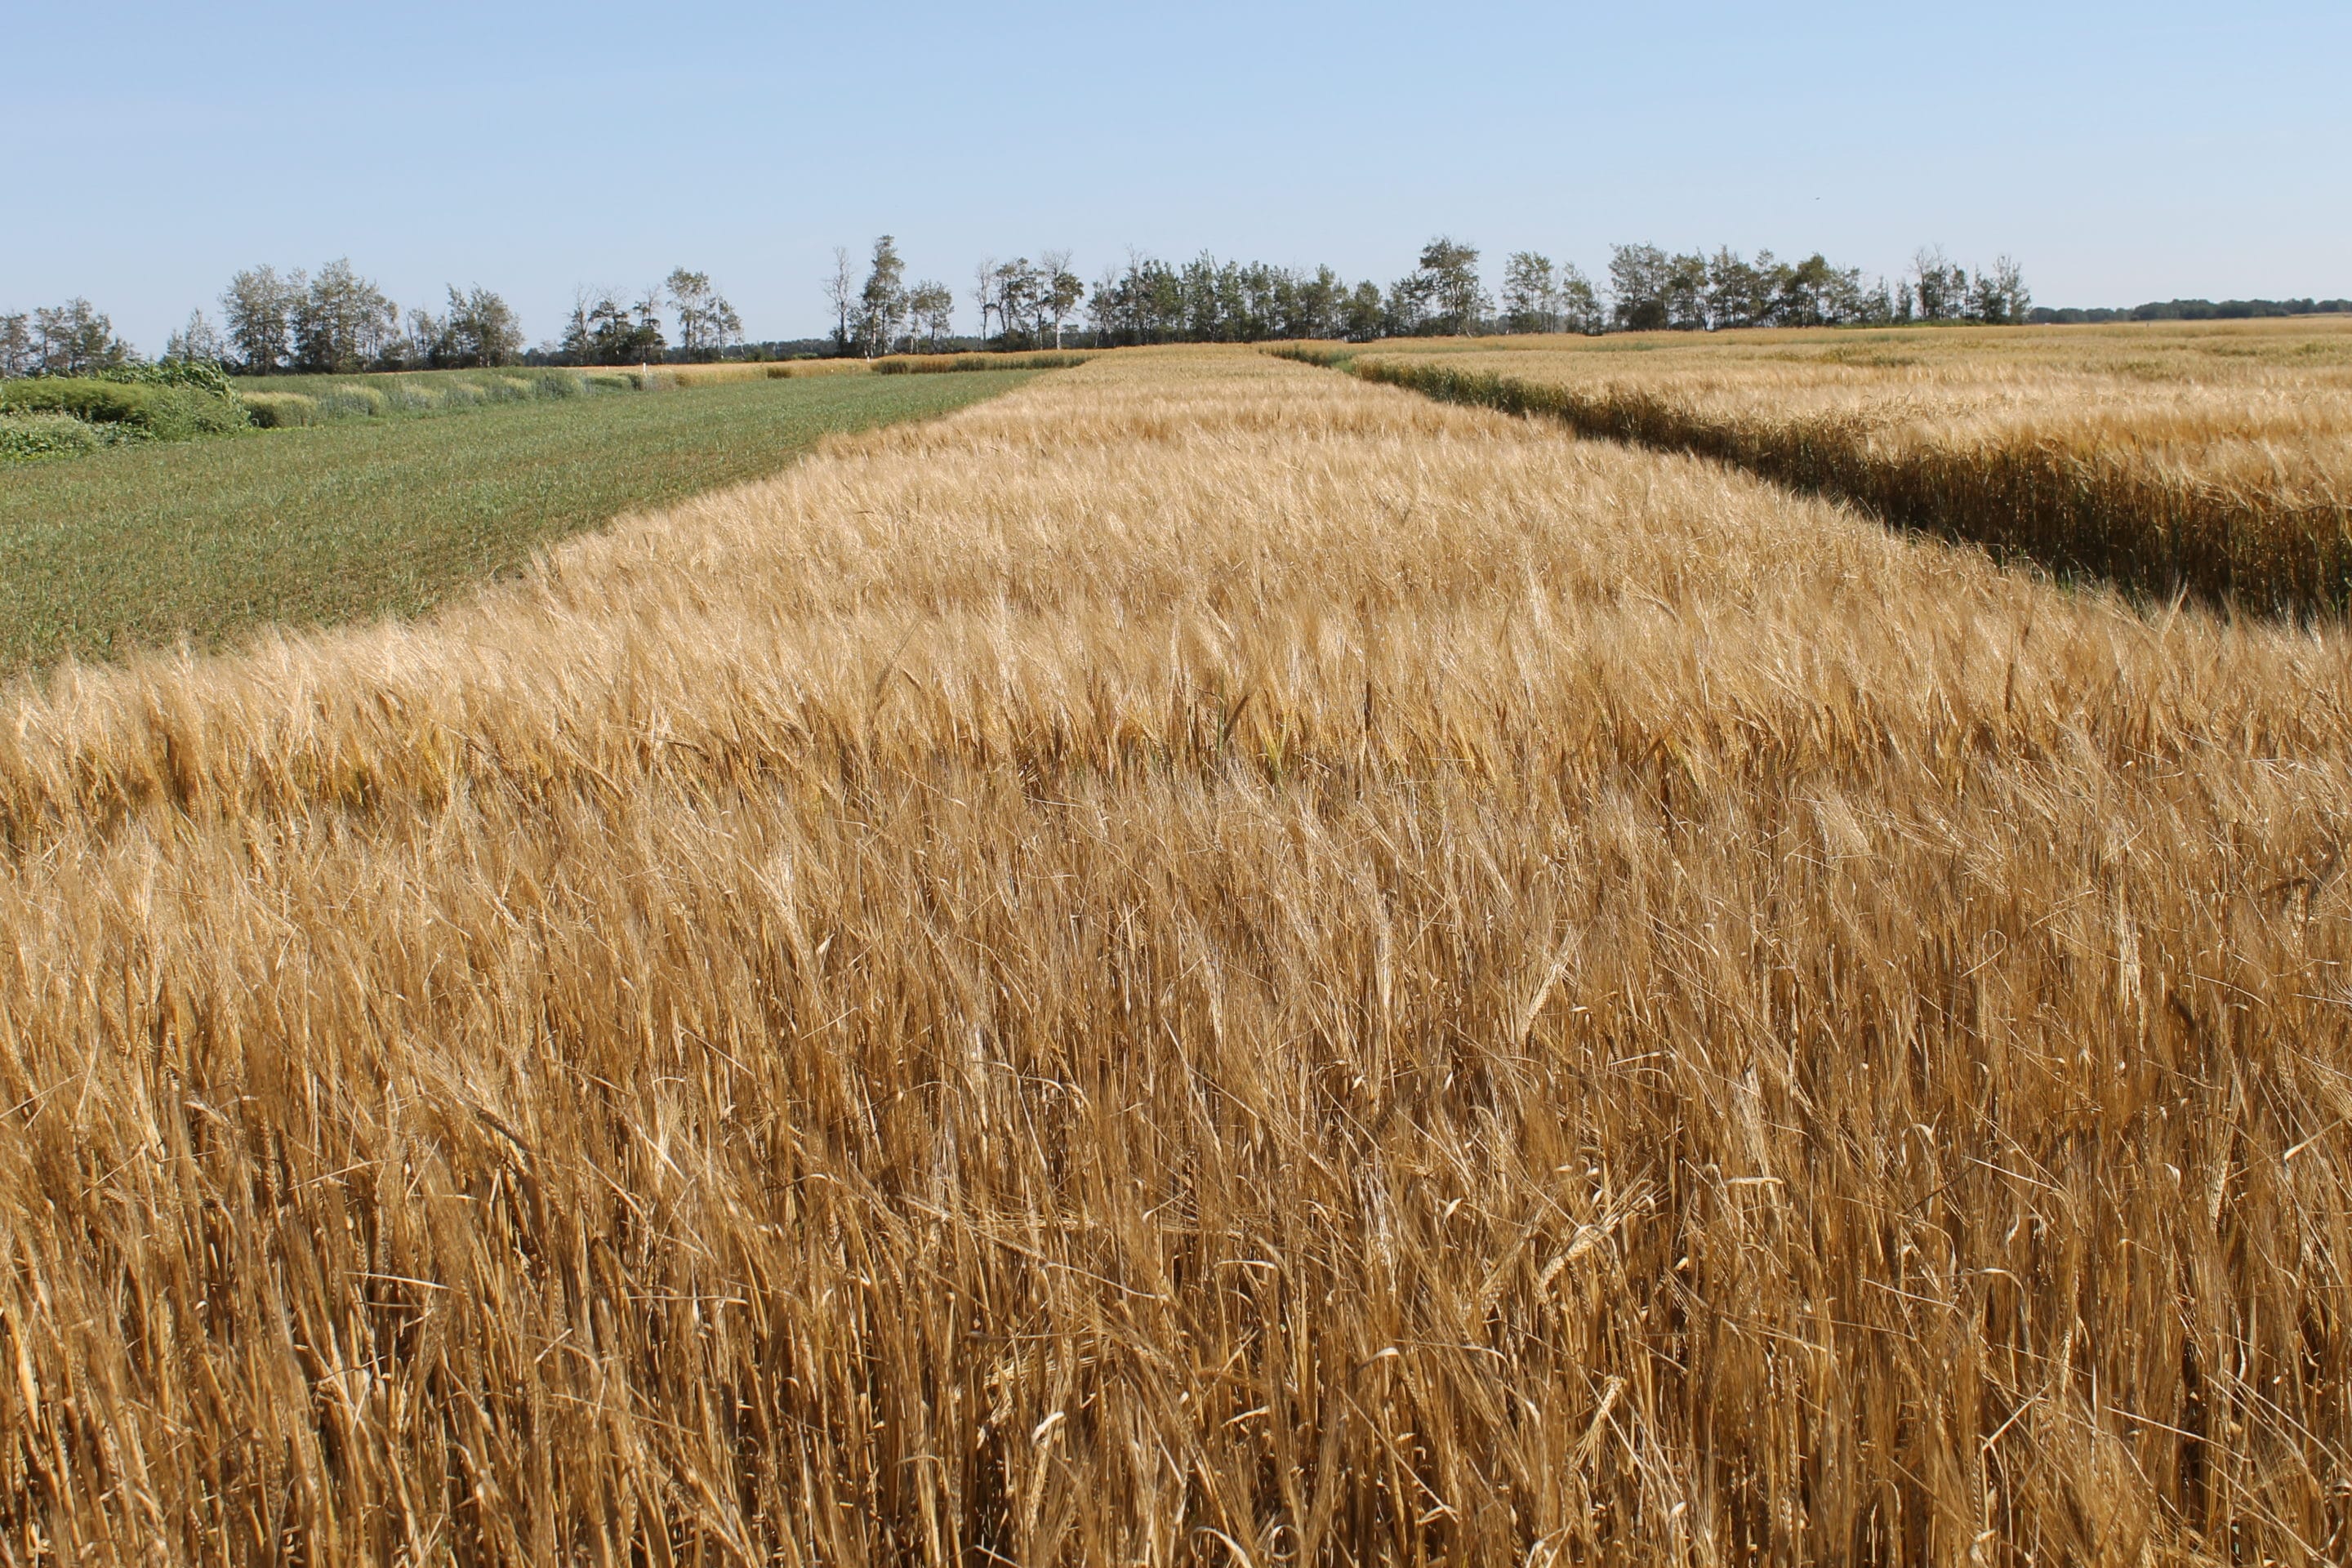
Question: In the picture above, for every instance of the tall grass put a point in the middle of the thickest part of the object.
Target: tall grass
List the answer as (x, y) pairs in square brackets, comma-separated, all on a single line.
[(726, 371), (1206, 963), (2215, 463), (288, 401)]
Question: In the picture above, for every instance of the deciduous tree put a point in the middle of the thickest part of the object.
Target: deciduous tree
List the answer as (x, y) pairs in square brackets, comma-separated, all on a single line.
[(198, 343), (1455, 300), (1530, 293), (841, 293), (343, 322), (706, 323), (75, 339), (881, 314), (15, 344), (1364, 314), (1638, 279), (2001, 296), (258, 307), (1059, 293), (1941, 288), (931, 305), (605, 331), (480, 329)]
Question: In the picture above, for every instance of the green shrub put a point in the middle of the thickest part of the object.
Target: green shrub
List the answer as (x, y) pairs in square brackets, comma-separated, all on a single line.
[(167, 412), (205, 375), (99, 402), (28, 437)]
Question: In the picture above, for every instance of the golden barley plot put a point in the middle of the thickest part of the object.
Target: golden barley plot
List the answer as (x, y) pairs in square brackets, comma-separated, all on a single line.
[(1204, 961), (2213, 458)]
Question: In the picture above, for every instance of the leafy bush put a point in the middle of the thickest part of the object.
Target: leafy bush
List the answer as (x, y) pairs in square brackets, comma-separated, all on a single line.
[(205, 375), (165, 411), (28, 437), (99, 401)]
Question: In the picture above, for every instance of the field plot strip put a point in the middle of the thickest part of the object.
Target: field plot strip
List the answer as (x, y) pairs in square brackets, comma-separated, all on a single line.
[(1200, 961), (2229, 481), (122, 550)]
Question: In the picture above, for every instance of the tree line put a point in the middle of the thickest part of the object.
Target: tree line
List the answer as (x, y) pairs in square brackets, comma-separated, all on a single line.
[(606, 329), (71, 338), (1024, 305), (338, 320), (2193, 310)]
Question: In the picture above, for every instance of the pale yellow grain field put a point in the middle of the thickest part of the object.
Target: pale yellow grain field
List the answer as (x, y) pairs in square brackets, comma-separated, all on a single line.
[(2263, 403), (753, 370), (1203, 962), (2214, 457)]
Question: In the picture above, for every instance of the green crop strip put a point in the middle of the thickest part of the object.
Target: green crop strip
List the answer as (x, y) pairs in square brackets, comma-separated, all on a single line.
[(143, 545)]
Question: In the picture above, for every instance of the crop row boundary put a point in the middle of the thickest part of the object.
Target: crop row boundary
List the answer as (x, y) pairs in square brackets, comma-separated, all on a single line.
[(2080, 516)]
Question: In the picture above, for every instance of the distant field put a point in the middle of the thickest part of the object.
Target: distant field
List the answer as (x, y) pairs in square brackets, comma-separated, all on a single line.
[(597, 376), (373, 516), (2214, 457)]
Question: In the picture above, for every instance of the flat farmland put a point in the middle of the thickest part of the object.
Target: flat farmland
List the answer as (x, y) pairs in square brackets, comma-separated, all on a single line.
[(1204, 961), (2211, 459), (213, 541)]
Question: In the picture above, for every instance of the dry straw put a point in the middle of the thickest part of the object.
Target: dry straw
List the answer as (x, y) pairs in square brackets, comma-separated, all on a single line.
[(2211, 461), (1208, 962)]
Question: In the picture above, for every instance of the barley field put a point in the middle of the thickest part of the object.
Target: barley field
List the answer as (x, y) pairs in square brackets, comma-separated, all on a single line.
[(1204, 962), (2208, 458)]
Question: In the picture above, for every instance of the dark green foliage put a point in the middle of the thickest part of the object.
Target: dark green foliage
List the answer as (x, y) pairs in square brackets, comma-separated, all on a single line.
[(605, 330), (1652, 290), (1208, 300), (72, 339), (1030, 304), (205, 375), (477, 329)]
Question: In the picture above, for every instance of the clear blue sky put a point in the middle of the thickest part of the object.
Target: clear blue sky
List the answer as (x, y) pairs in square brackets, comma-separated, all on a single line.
[(2120, 151)]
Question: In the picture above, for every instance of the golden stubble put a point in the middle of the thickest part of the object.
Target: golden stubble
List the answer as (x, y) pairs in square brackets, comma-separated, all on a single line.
[(1202, 961)]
